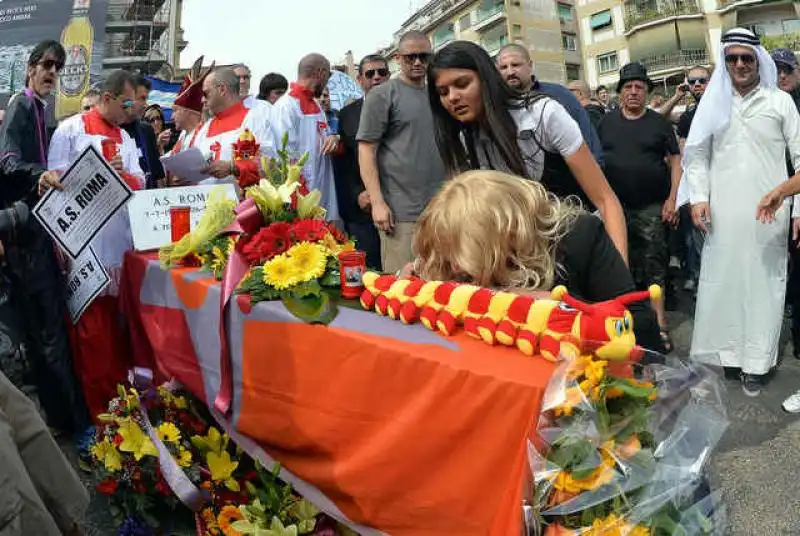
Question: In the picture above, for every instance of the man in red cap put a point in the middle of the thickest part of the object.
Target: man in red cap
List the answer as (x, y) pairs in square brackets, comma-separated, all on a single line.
[(187, 110)]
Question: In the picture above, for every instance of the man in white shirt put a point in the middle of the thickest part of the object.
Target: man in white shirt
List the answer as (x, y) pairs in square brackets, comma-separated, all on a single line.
[(734, 155), (299, 114), (243, 72), (221, 95)]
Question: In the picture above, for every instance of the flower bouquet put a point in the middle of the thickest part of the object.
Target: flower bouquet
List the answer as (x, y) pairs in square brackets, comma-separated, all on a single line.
[(622, 450), (279, 232)]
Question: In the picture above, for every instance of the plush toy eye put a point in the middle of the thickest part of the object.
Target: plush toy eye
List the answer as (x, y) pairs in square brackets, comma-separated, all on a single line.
[(627, 324), (618, 327)]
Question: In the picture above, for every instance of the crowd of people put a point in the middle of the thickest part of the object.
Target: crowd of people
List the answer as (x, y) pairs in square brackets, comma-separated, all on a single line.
[(461, 167)]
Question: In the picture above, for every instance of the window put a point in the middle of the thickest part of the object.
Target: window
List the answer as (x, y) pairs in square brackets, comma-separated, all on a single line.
[(516, 31), (564, 12), (573, 72), (607, 62), (465, 22), (600, 20), (568, 42)]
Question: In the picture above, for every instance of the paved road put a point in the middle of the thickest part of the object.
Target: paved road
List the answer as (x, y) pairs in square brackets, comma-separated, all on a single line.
[(757, 464)]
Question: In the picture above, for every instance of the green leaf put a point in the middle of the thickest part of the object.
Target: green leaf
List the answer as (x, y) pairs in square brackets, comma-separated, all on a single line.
[(305, 290), (330, 279), (630, 389), (312, 309)]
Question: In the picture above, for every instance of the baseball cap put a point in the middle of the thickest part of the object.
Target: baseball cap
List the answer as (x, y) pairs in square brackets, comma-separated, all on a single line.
[(784, 56)]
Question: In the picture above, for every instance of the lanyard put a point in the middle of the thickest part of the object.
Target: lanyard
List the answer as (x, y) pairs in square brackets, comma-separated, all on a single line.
[(41, 134)]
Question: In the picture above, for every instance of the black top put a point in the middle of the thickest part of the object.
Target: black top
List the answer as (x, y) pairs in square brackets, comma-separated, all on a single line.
[(635, 150), (345, 165), (149, 158), (795, 94), (21, 161), (685, 123), (593, 271), (596, 113)]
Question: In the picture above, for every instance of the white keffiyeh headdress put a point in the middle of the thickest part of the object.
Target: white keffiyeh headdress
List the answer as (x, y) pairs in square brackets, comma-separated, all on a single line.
[(714, 110)]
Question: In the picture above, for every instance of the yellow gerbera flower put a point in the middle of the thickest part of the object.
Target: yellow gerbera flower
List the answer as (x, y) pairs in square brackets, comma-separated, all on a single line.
[(184, 457), (168, 432), (108, 454), (308, 261), (279, 273)]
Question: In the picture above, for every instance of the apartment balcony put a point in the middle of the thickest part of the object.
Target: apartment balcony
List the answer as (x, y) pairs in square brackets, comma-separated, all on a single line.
[(638, 12), (493, 46), (440, 39), (675, 60), (486, 17)]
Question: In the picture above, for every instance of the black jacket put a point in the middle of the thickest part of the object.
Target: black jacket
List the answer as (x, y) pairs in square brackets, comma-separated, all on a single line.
[(346, 172), (21, 147), (149, 158)]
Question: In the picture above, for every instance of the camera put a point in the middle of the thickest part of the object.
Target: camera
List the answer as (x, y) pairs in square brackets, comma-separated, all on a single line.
[(13, 217), (685, 87)]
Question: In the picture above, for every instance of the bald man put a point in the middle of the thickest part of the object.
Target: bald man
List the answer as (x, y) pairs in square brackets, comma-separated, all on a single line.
[(583, 93), (298, 114), (515, 66)]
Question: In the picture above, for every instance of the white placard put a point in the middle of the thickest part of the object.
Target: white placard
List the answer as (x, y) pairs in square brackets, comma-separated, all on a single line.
[(86, 279), (149, 211), (93, 193), (187, 165)]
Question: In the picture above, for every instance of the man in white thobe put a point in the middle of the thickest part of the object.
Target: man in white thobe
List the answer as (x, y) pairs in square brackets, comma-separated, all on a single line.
[(734, 155)]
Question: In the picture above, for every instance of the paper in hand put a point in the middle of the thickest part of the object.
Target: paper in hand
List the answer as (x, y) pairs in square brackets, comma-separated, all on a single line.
[(188, 165)]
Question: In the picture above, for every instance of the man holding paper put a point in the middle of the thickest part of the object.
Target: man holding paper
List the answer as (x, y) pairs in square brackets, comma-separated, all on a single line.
[(231, 118), (100, 352)]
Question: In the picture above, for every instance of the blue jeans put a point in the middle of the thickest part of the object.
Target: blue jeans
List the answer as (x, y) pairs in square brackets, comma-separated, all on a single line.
[(693, 241)]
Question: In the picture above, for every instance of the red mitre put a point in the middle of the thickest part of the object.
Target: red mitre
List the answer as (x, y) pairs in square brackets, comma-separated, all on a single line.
[(191, 95)]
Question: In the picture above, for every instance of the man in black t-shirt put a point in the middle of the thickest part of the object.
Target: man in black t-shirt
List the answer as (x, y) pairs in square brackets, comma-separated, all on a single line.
[(643, 166)]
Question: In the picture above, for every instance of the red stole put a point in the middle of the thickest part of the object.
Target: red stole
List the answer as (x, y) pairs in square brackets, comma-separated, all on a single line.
[(308, 104), (227, 120), (94, 124)]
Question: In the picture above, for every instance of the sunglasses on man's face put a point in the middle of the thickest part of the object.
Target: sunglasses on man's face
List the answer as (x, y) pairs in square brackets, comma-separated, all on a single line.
[(694, 81), (379, 72), (424, 57), (127, 104), (785, 69), (49, 64), (746, 59)]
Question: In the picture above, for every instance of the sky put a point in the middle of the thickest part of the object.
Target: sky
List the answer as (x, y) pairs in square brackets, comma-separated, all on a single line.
[(272, 35)]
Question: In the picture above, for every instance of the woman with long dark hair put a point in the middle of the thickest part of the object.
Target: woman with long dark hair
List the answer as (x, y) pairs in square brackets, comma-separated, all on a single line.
[(482, 123)]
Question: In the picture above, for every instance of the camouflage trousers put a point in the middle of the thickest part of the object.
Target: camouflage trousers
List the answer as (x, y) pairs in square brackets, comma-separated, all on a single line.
[(648, 246)]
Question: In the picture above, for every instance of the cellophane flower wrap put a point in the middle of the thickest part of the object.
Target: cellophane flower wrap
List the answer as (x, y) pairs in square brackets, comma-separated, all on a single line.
[(622, 448)]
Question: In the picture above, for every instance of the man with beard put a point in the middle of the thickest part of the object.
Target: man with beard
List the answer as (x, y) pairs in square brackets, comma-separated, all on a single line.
[(515, 65), (354, 203), (299, 114), (735, 154), (30, 252), (397, 154)]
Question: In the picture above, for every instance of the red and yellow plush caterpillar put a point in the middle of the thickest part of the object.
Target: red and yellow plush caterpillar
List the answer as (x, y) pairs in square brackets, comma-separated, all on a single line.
[(547, 327)]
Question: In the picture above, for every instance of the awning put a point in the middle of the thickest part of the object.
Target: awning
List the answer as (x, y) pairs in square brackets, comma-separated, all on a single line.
[(600, 20)]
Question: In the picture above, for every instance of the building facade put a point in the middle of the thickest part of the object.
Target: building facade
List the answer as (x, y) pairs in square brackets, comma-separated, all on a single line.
[(670, 36), (145, 36), (547, 28)]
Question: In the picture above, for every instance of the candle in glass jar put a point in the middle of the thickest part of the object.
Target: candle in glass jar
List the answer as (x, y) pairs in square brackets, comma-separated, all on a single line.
[(109, 148), (180, 222), (352, 265)]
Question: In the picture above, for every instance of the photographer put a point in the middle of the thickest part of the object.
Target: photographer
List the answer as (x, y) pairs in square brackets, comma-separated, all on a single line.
[(30, 254)]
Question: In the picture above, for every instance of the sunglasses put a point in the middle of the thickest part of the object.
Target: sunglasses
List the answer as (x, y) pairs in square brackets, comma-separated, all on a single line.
[(49, 64), (152, 120), (785, 69), (733, 59), (424, 57), (379, 72), (127, 104), (694, 81)]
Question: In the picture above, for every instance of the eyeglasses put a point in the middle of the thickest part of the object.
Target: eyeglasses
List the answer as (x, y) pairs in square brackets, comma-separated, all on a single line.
[(49, 64), (733, 59), (153, 119), (86, 108), (424, 57), (244, 77), (379, 72), (127, 104), (694, 81)]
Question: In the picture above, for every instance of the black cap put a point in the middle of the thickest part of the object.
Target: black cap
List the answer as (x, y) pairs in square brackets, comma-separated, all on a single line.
[(633, 71)]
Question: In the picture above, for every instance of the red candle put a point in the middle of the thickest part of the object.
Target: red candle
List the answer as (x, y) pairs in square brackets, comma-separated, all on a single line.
[(180, 222), (352, 265), (109, 148)]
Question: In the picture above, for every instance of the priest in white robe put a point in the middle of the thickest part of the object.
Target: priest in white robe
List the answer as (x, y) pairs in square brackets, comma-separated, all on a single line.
[(299, 114), (187, 113), (100, 353), (230, 119), (733, 156)]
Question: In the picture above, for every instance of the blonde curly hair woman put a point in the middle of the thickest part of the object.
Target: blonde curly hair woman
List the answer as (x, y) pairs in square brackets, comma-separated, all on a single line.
[(495, 230)]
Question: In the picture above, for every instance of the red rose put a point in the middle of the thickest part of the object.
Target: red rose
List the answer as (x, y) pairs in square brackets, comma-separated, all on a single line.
[(309, 230), (108, 486)]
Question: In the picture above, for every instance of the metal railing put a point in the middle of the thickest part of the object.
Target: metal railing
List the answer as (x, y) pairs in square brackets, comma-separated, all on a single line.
[(484, 14), (441, 39), (494, 45), (638, 12), (675, 60)]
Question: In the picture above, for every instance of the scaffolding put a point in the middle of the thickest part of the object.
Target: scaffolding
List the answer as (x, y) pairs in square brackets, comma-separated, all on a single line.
[(140, 35)]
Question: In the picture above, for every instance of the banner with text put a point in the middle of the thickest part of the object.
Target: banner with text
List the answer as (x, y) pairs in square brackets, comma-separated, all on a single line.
[(80, 25)]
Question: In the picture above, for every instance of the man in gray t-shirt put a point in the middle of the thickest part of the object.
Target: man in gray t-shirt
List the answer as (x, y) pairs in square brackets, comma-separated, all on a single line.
[(400, 165)]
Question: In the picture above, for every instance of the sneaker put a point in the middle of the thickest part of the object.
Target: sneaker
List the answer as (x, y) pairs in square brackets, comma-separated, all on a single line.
[(792, 404), (751, 384)]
